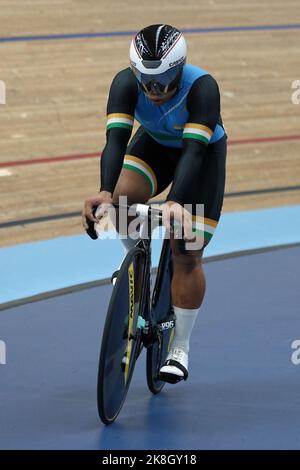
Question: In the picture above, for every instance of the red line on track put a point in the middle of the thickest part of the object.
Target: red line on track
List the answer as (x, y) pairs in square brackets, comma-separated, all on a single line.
[(258, 140), (49, 159)]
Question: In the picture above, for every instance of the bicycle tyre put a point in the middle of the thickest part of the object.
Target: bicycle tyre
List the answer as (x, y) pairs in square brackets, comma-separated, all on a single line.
[(161, 311), (121, 338)]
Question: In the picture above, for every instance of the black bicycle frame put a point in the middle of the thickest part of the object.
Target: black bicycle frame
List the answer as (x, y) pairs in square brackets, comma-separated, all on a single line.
[(149, 334)]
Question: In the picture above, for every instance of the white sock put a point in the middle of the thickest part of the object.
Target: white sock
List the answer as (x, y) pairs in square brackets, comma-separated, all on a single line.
[(185, 320)]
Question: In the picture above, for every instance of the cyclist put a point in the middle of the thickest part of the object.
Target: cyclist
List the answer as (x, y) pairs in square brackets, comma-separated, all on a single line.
[(181, 140)]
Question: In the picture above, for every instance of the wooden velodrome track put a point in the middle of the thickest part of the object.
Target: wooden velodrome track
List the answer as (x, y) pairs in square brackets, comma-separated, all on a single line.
[(57, 89)]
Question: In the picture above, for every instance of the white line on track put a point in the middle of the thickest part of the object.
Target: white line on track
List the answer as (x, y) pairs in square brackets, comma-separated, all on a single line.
[(5, 172)]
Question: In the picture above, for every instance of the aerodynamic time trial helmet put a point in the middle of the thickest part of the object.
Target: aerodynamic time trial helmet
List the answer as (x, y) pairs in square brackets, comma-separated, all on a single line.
[(157, 56)]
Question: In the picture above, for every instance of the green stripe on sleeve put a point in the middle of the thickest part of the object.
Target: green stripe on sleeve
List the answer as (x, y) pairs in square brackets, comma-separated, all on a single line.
[(195, 137), (119, 124)]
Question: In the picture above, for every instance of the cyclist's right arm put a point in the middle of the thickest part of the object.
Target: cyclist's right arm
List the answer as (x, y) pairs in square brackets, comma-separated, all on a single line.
[(120, 115)]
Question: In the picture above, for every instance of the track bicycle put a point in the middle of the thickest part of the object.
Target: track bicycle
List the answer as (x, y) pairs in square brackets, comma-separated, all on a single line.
[(136, 318)]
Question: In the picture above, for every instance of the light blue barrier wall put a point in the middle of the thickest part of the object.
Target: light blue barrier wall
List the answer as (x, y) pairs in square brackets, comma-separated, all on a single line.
[(34, 268)]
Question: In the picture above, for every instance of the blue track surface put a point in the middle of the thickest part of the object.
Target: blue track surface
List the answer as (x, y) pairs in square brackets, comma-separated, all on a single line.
[(242, 393), (34, 268)]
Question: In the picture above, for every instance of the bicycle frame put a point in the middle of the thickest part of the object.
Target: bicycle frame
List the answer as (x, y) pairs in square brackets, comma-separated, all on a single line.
[(146, 322), (149, 329)]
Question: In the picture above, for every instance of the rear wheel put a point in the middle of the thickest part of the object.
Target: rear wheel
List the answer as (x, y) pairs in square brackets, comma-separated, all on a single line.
[(162, 314), (121, 341)]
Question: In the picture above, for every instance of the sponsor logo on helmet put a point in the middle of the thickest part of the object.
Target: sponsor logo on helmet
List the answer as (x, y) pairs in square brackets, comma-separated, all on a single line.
[(172, 64)]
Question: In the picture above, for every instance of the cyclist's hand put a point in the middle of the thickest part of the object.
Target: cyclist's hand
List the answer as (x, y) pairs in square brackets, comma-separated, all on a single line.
[(173, 210), (100, 202)]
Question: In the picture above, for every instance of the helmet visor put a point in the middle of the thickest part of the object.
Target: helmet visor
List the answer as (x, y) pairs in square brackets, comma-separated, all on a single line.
[(159, 83)]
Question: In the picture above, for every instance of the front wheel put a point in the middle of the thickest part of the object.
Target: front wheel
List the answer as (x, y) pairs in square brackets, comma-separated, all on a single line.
[(121, 339)]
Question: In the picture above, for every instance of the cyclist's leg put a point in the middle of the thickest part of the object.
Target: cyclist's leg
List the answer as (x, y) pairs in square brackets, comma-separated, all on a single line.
[(134, 186), (137, 180), (188, 283), (143, 174), (188, 289), (136, 183)]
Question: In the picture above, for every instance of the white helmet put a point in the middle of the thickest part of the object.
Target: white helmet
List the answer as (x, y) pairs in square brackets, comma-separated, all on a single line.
[(157, 56)]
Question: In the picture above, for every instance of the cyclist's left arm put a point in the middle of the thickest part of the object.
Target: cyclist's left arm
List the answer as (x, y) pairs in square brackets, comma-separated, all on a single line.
[(203, 104)]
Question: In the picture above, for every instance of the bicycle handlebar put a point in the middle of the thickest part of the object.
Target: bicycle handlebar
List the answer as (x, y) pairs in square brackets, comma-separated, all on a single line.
[(142, 210)]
